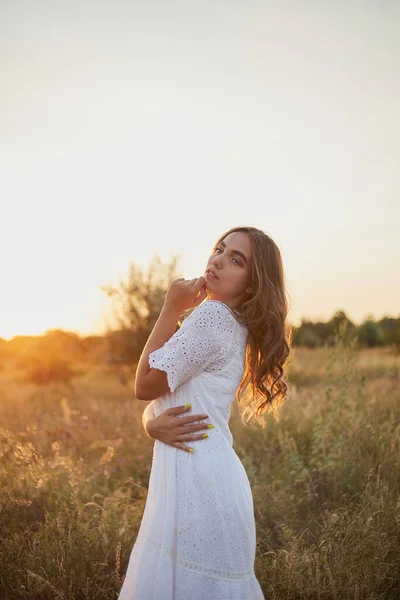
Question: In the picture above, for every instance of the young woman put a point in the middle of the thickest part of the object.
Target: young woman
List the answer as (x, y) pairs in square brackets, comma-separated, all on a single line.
[(197, 538)]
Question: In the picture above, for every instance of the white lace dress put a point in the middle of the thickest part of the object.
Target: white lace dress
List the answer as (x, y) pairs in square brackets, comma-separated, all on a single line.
[(197, 538)]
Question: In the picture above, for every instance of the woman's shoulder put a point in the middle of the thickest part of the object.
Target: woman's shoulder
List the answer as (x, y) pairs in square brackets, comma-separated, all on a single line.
[(218, 304), (210, 314), (215, 323), (215, 313), (213, 307)]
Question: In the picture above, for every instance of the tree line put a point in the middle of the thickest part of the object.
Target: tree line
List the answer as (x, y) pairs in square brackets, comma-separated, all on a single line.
[(136, 304), (370, 333)]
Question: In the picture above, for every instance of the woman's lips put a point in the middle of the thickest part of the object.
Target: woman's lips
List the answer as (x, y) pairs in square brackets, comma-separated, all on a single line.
[(211, 275)]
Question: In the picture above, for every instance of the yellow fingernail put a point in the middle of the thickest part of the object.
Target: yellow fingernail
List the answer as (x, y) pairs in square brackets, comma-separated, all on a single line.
[(191, 450), (210, 426), (205, 435), (187, 405)]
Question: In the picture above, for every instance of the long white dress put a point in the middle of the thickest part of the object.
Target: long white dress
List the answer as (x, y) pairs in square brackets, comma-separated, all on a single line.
[(197, 537)]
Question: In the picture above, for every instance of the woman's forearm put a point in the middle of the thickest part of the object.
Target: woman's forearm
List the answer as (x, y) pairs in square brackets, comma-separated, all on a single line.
[(151, 383), (148, 413)]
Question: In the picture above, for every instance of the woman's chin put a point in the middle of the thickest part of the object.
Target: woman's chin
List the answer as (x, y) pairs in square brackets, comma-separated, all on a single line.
[(209, 280)]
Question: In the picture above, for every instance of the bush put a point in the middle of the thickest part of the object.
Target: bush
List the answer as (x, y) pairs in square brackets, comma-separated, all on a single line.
[(43, 371)]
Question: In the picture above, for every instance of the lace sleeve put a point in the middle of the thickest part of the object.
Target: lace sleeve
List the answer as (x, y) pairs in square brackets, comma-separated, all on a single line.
[(203, 341)]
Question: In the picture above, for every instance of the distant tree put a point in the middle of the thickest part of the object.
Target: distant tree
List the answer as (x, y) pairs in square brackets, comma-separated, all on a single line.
[(391, 331), (49, 358), (317, 334), (370, 334), (44, 370), (94, 349), (305, 335), (61, 343), (5, 351), (333, 324), (137, 303)]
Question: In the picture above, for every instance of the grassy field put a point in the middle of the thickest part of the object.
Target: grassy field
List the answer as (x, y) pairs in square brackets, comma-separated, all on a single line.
[(75, 465)]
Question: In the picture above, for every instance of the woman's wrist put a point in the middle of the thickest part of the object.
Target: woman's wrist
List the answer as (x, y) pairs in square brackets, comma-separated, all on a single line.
[(170, 309), (147, 426)]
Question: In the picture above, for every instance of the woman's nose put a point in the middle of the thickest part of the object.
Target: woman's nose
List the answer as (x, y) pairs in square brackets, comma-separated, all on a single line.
[(216, 262)]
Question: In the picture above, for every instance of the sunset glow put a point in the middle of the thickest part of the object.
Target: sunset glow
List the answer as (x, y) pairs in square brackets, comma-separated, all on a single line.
[(126, 135)]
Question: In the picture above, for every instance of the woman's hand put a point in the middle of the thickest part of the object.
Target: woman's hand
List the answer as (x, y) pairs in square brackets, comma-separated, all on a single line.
[(185, 293), (173, 431)]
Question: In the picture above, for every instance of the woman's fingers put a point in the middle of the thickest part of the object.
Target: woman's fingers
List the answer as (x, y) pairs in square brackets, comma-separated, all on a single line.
[(175, 410), (192, 418), (197, 282), (201, 293), (192, 428), (198, 286), (190, 437), (181, 446), (187, 438)]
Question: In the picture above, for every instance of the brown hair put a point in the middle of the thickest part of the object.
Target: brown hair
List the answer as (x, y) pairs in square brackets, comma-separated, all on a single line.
[(264, 314)]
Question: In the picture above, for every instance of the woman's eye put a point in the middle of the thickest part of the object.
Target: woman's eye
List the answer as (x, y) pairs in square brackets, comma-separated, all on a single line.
[(235, 259)]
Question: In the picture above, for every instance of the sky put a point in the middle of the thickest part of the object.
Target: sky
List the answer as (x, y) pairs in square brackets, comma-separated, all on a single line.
[(133, 128)]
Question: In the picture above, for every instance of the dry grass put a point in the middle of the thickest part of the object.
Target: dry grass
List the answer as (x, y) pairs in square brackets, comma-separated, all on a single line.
[(75, 465)]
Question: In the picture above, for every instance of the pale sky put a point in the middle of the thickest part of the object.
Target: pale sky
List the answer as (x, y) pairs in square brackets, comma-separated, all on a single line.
[(129, 128)]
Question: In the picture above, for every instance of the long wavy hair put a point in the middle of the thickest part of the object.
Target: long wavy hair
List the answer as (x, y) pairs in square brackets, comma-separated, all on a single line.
[(263, 387)]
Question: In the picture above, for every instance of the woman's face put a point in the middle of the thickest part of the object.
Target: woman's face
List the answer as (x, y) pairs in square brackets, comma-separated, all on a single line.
[(231, 262)]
